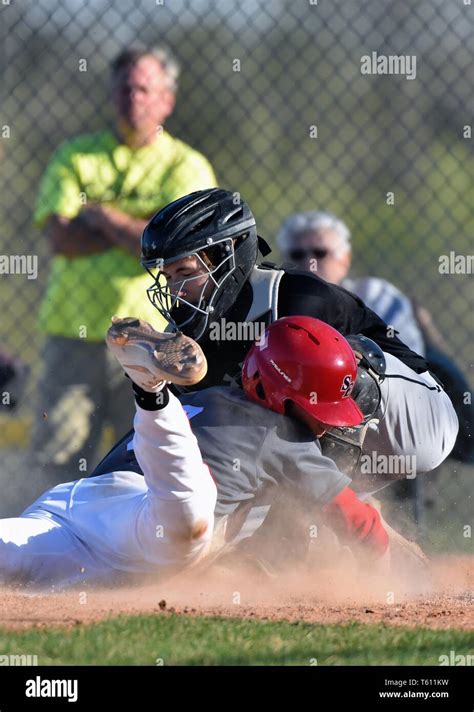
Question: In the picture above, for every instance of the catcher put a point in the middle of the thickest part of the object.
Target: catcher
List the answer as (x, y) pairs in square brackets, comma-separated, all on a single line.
[(201, 251), (149, 506)]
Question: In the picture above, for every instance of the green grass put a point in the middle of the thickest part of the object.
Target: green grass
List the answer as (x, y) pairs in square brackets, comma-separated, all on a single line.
[(184, 640)]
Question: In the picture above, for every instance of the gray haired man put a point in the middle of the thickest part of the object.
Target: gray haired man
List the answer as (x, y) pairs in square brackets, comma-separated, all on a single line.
[(318, 241)]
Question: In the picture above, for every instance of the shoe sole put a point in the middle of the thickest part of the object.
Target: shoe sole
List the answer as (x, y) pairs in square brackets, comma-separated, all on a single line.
[(171, 357)]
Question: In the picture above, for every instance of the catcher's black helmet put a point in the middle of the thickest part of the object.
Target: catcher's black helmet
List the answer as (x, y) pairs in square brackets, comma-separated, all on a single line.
[(219, 228)]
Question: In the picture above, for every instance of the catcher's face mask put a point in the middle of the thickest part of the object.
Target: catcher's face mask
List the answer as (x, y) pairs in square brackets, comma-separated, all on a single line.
[(185, 288)]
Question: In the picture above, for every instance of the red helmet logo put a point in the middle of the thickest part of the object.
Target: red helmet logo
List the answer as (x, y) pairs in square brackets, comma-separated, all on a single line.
[(347, 386)]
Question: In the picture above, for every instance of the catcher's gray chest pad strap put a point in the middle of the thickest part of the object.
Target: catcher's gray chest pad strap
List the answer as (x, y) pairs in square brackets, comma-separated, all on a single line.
[(249, 450), (265, 284)]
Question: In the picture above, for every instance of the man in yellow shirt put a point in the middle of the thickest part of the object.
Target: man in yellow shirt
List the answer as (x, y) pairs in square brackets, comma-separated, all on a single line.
[(96, 196)]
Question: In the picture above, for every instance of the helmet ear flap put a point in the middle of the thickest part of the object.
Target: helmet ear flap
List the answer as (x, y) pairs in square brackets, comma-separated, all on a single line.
[(257, 385)]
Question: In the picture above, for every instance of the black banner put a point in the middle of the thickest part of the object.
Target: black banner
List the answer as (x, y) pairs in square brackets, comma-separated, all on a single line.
[(137, 688)]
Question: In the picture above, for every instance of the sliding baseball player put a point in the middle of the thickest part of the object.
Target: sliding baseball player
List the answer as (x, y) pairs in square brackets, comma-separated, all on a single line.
[(150, 507)]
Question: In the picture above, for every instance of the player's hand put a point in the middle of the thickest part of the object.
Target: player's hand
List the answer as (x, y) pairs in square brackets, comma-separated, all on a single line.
[(357, 524)]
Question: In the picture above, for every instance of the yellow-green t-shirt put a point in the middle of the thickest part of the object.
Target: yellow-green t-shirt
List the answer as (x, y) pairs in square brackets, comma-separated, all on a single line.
[(84, 292)]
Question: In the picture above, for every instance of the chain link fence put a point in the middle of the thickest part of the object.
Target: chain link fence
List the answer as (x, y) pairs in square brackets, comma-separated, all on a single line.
[(297, 106)]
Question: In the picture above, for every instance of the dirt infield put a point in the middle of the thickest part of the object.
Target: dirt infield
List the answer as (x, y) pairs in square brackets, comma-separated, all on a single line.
[(330, 597)]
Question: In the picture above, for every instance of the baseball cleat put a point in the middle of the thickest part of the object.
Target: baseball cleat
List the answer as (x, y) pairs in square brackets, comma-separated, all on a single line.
[(152, 358)]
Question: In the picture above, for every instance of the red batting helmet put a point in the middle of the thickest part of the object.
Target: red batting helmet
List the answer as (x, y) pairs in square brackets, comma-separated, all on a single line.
[(306, 361)]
